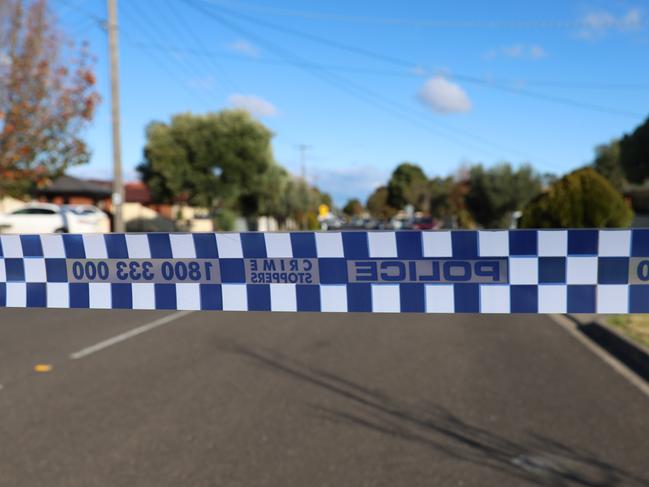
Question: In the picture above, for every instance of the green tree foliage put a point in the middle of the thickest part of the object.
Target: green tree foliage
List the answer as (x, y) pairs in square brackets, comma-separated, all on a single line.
[(496, 192), (302, 202), (581, 199), (224, 161), (377, 204), (225, 220), (322, 198), (285, 197), (269, 196), (607, 163), (439, 194), (353, 207), (408, 186), (218, 158), (634, 154)]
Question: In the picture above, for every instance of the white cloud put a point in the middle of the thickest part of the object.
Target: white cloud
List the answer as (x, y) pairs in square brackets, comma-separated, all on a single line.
[(444, 96), (517, 51), (356, 181), (244, 47), (254, 104), (633, 19), (598, 20), (598, 23)]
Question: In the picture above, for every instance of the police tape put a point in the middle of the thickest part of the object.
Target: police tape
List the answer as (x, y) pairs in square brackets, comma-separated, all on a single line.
[(457, 271)]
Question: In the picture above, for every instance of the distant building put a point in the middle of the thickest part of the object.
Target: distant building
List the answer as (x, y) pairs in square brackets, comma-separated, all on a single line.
[(140, 213), (68, 190)]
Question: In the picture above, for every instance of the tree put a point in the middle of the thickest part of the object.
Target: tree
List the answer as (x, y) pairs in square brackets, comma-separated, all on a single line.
[(448, 200), (439, 194), (607, 163), (634, 154), (217, 159), (353, 207), (271, 193), (495, 193), (301, 203), (377, 204), (47, 98), (581, 199), (297, 201), (408, 186)]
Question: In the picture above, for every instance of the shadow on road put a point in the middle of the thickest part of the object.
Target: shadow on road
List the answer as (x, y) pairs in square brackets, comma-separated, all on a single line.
[(537, 459)]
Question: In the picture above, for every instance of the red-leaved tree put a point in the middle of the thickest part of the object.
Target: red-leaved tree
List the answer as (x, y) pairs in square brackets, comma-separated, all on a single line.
[(47, 97)]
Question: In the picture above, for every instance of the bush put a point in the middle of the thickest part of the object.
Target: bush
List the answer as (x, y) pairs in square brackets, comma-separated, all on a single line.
[(225, 220), (312, 221), (495, 193), (158, 224), (581, 199)]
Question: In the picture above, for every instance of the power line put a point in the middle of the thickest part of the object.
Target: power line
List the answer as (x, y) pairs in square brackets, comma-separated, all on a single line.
[(411, 65), (159, 61), (82, 27), (418, 73), (302, 148), (186, 67), (423, 23), (541, 96), (579, 85), (354, 90), (199, 42), (337, 81), (349, 87), (75, 6)]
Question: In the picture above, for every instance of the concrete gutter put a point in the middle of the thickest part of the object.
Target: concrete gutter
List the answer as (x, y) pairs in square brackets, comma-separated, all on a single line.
[(631, 354)]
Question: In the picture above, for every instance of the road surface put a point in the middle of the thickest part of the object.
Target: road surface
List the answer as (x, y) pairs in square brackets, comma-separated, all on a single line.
[(242, 399)]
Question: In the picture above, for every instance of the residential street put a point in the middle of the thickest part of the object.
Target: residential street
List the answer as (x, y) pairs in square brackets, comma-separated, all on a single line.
[(243, 399)]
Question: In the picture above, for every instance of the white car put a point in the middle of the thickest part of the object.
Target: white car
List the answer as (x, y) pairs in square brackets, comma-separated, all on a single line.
[(51, 218), (86, 219)]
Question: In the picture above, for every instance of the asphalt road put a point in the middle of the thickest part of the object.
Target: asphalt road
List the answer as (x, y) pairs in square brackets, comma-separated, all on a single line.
[(214, 399)]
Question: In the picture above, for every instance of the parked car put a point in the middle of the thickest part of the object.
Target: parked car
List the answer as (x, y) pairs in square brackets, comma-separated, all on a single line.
[(50, 218), (425, 223), (86, 219)]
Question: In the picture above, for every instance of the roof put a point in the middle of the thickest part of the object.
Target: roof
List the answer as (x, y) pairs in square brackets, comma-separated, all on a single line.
[(71, 186), (137, 192), (134, 192)]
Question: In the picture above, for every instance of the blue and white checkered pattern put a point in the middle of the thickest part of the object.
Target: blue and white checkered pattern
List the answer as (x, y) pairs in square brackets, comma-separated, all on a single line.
[(550, 271)]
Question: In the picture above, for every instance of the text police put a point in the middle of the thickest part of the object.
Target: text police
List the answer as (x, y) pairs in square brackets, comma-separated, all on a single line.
[(485, 271)]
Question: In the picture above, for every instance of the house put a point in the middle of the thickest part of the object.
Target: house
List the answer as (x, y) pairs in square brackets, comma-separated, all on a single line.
[(68, 190), (139, 211)]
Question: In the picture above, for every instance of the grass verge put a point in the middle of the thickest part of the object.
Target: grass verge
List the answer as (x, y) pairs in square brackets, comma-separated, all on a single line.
[(635, 327)]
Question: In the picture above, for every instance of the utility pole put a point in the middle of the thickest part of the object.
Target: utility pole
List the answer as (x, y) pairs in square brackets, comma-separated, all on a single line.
[(303, 148), (118, 184)]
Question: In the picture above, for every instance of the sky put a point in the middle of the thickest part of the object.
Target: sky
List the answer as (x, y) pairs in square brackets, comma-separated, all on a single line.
[(368, 85)]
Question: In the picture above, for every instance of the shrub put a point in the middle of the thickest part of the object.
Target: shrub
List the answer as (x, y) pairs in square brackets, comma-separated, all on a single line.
[(581, 199), (225, 220)]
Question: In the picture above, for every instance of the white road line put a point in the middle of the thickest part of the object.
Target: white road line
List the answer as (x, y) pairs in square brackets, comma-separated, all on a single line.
[(129, 334), (611, 361)]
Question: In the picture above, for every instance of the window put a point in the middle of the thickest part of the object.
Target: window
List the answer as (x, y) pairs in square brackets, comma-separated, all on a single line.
[(82, 210), (34, 211)]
